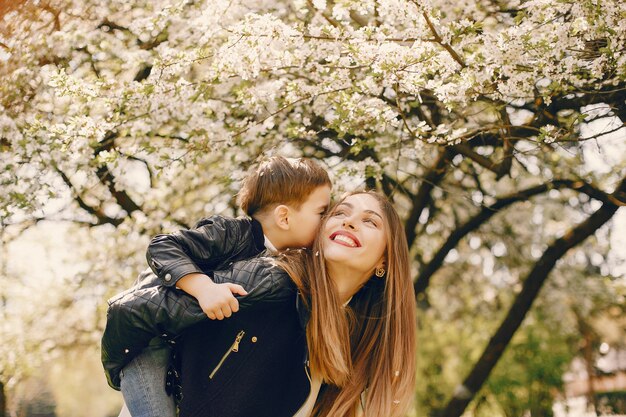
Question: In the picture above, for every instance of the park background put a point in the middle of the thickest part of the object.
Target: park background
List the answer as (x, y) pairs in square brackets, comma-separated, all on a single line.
[(496, 126)]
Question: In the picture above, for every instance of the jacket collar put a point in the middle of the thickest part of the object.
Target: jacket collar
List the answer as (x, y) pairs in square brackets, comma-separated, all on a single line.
[(257, 235)]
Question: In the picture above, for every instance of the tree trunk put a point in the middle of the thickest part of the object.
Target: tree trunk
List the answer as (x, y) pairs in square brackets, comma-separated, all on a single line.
[(464, 393), (3, 401), (588, 339)]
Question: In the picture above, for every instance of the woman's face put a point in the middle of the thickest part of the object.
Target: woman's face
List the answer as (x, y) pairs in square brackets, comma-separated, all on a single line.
[(354, 237)]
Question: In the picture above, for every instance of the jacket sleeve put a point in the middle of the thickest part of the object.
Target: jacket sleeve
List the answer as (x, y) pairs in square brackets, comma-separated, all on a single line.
[(136, 316), (262, 279), (213, 242)]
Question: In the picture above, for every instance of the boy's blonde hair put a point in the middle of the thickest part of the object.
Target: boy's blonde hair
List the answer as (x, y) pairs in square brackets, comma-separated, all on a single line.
[(280, 180)]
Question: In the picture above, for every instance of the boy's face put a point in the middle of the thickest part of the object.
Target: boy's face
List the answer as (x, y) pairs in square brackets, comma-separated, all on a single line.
[(304, 222)]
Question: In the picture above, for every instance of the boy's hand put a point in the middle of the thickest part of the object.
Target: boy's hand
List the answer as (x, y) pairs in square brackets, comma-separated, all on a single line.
[(216, 300)]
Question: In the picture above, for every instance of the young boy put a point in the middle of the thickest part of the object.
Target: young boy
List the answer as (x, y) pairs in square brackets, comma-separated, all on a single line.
[(285, 200)]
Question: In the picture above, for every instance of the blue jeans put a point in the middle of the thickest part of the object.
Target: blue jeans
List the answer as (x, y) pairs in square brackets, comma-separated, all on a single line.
[(143, 384)]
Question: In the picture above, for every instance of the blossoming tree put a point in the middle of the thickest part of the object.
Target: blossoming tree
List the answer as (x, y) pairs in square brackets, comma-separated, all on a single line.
[(126, 118)]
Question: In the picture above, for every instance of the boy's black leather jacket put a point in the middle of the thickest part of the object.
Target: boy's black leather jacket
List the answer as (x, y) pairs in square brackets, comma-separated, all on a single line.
[(136, 316), (212, 244)]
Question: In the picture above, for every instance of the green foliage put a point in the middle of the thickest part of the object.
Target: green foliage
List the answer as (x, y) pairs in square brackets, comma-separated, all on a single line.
[(529, 375)]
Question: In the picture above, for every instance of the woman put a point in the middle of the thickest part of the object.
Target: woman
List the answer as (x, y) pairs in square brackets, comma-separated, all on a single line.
[(352, 326)]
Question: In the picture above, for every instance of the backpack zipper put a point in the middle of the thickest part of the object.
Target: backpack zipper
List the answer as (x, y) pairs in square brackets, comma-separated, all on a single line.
[(233, 348)]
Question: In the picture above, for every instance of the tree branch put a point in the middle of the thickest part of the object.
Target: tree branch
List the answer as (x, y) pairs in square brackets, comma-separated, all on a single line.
[(533, 283), (440, 41), (112, 26), (286, 106), (504, 168), (97, 212), (421, 199), (614, 96), (106, 176), (483, 161), (326, 16), (423, 279)]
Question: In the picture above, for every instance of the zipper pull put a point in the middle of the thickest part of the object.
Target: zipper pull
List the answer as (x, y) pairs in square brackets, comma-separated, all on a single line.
[(237, 340)]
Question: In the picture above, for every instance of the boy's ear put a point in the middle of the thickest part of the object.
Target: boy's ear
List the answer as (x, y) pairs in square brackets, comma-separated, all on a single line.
[(281, 216)]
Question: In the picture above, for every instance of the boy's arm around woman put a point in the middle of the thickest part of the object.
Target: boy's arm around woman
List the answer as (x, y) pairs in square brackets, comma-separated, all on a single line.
[(136, 316)]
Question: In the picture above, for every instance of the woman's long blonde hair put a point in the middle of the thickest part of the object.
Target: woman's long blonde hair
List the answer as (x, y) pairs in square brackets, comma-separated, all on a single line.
[(365, 352)]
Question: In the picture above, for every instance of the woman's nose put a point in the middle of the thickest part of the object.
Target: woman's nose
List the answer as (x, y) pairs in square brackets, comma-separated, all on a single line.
[(347, 223)]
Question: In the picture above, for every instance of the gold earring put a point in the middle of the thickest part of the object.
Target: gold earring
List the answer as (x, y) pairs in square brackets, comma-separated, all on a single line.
[(380, 272)]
